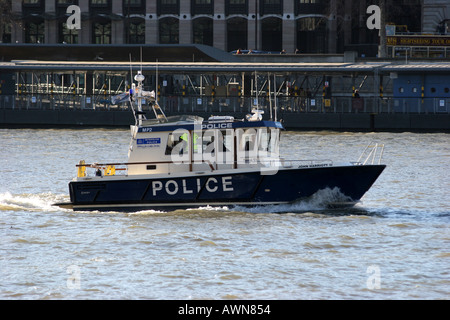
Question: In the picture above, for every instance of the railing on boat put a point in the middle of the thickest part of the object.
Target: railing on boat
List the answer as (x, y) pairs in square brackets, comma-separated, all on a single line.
[(109, 169), (372, 153)]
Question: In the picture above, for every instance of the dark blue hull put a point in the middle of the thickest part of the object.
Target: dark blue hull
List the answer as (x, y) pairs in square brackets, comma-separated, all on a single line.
[(246, 189)]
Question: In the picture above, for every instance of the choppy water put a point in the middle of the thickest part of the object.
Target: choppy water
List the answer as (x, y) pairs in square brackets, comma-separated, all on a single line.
[(394, 245)]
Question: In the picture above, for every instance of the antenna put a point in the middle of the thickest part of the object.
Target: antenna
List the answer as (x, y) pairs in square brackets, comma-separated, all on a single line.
[(156, 107), (141, 59), (131, 91), (256, 90), (156, 89), (131, 71), (275, 94), (270, 100)]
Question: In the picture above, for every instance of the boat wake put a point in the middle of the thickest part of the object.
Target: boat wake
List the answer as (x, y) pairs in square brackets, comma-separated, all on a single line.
[(323, 200), (29, 202)]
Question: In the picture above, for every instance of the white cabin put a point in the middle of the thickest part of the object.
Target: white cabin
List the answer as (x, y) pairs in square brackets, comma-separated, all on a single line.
[(187, 143)]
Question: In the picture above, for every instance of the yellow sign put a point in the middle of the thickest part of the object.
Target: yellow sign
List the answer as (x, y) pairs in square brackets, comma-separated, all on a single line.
[(422, 41)]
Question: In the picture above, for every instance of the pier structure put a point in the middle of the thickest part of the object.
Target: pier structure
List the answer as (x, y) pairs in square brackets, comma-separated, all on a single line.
[(377, 95)]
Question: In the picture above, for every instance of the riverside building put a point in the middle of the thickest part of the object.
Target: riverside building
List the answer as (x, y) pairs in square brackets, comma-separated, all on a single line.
[(305, 26)]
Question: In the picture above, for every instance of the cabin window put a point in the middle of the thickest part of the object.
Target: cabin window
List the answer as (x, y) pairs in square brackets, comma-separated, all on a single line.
[(268, 139), (228, 141), (246, 144), (249, 139), (224, 142), (208, 146), (264, 140), (177, 143), (170, 144)]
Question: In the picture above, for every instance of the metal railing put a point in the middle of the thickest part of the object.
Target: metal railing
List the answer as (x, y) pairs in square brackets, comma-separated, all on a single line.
[(195, 104), (372, 154)]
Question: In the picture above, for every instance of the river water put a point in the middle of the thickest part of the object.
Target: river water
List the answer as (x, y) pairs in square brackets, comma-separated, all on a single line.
[(395, 244)]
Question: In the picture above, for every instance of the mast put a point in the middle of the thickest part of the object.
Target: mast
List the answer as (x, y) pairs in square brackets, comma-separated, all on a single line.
[(161, 117), (138, 93)]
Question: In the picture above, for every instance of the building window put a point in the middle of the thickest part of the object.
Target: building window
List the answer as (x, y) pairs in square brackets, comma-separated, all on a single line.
[(32, 6), (311, 35), (62, 5), (99, 3), (6, 36), (67, 35), (136, 32), (133, 3), (31, 2), (168, 7), (272, 40), (169, 31), (202, 7), (236, 34), (133, 7), (66, 2), (271, 7), (236, 7), (100, 6), (34, 32), (310, 7), (102, 33), (203, 31)]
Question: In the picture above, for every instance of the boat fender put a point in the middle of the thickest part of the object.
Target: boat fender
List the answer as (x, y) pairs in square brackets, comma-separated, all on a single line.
[(82, 169)]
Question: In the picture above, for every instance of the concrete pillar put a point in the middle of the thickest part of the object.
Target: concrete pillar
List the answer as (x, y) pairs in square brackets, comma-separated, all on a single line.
[(151, 30), (85, 34), (116, 7), (362, 22), (17, 31), (51, 26), (219, 25), (185, 26), (332, 27), (289, 34), (289, 27), (151, 23), (51, 31), (252, 41), (117, 26), (84, 6), (117, 32), (347, 24)]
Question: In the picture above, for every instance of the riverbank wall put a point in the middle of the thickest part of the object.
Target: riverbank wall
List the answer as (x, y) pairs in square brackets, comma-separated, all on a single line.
[(291, 121)]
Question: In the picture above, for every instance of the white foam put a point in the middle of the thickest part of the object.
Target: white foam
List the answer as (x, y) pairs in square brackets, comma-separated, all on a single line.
[(321, 200), (29, 202)]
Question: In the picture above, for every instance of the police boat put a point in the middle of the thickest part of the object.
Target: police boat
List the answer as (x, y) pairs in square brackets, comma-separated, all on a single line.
[(181, 162)]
